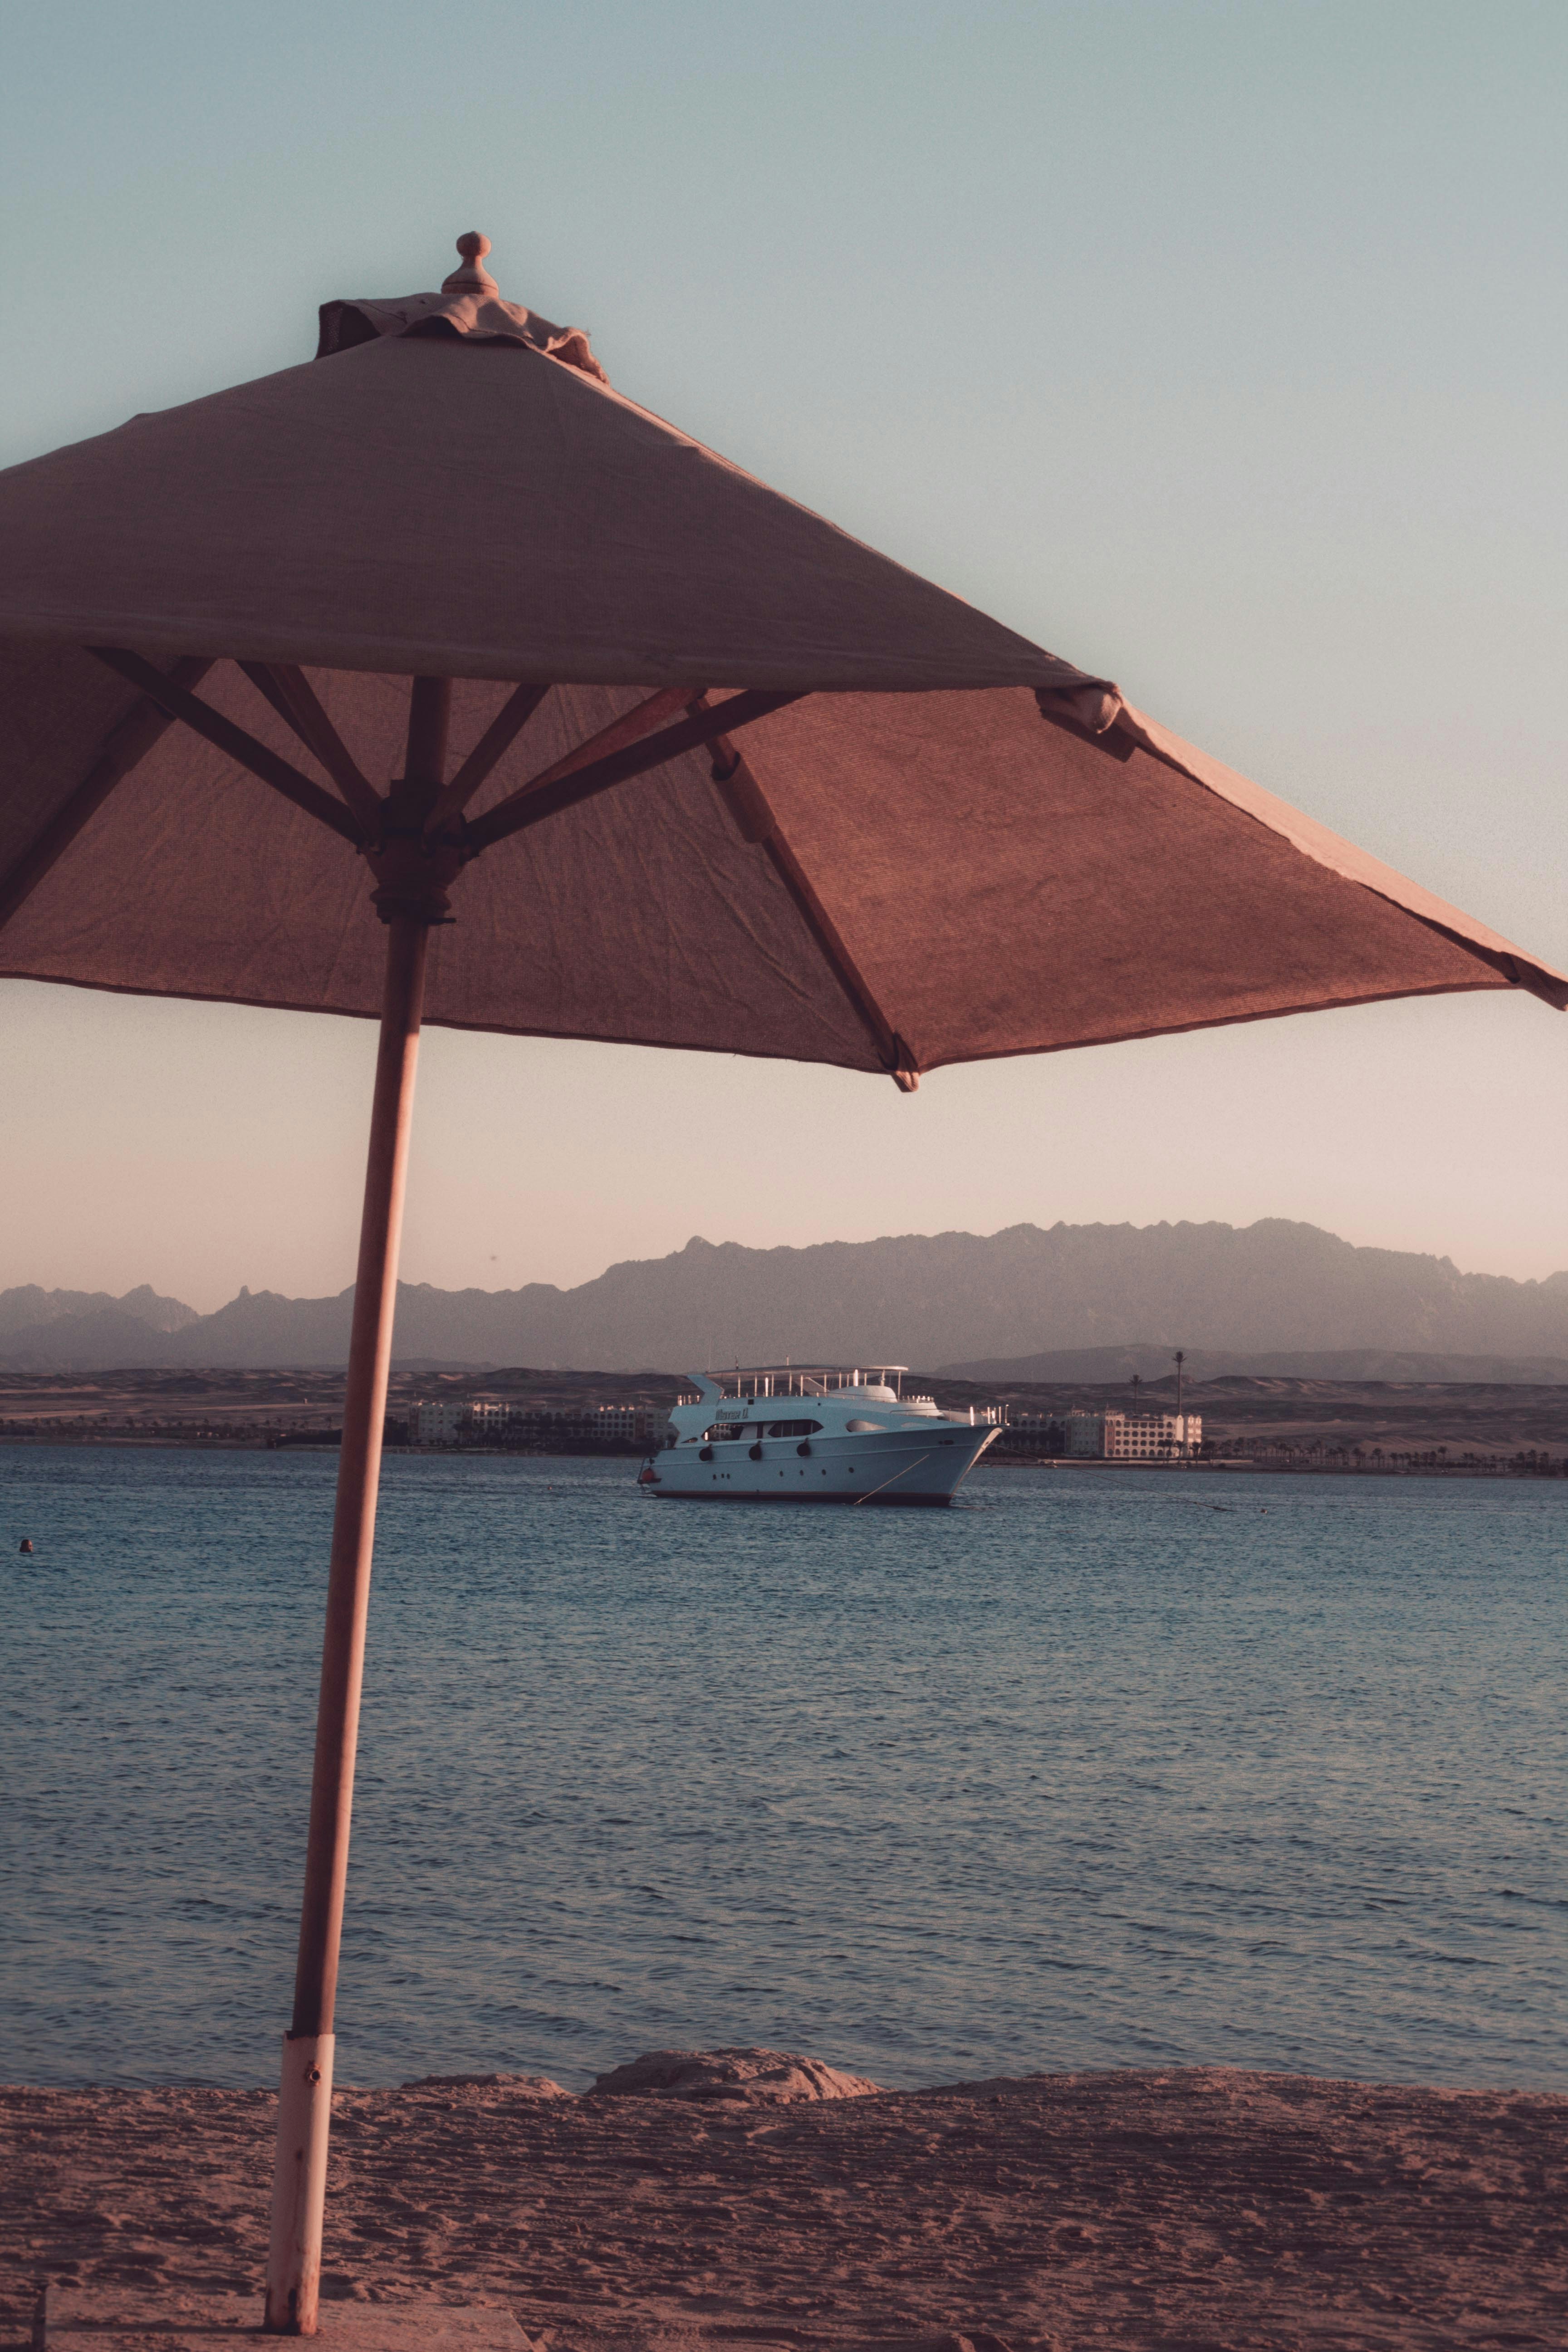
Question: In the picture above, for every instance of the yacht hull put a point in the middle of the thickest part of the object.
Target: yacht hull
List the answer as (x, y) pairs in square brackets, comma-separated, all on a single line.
[(920, 1468)]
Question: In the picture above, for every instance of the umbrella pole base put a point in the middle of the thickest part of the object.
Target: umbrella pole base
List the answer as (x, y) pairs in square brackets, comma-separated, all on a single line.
[(299, 2184)]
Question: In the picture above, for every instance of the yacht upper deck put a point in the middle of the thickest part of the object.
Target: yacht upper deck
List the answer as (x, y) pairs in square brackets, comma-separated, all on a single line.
[(757, 1382)]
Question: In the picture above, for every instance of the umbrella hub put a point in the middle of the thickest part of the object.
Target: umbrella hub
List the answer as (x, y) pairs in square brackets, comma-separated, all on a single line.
[(415, 869)]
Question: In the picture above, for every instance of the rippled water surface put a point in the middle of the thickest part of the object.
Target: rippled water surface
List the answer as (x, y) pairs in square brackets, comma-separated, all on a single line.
[(1101, 1767)]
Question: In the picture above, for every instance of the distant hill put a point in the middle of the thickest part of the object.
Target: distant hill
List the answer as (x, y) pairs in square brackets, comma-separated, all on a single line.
[(31, 1309), (1271, 1294), (104, 1341)]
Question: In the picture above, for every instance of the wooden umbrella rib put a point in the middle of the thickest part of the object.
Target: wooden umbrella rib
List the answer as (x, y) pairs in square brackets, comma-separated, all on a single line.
[(629, 728), (263, 676), (496, 739), (234, 742), (897, 1057), (124, 748), (754, 815), (548, 794), (295, 699)]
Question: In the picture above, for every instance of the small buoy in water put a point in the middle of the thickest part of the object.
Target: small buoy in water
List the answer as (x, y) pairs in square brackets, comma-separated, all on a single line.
[(26, 1544)]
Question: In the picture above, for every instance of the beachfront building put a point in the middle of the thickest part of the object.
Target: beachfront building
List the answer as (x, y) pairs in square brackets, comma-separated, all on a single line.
[(1133, 1437), (589, 1425), (1152, 1436), (436, 1421), (638, 1423), (1032, 1435), (485, 1421)]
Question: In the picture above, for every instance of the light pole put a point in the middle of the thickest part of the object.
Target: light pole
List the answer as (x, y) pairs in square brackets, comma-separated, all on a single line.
[(1181, 1358)]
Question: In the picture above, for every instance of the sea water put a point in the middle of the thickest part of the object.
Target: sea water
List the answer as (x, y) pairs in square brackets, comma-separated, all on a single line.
[(1099, 1769)]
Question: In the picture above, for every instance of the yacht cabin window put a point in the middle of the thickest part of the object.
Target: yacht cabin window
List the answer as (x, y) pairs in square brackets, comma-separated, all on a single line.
[(755, 1429)]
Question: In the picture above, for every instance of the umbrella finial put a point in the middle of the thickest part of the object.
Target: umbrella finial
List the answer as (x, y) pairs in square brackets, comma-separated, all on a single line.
[(473, 277)]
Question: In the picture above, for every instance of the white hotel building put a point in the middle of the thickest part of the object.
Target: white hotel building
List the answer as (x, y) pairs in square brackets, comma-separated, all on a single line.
[(1133, 1436)]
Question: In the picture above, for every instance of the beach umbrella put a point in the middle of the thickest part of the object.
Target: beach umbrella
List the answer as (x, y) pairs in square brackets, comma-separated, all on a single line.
[(436, 680)]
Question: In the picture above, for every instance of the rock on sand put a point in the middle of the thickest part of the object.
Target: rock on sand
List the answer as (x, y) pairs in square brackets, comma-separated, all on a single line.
[(752, 2078)]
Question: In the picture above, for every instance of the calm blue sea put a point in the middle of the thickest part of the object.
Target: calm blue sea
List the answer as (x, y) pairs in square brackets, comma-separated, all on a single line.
[(1099, 1769)]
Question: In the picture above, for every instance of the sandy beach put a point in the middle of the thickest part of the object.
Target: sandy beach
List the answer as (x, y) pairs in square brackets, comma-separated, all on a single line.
[(751, 2199)]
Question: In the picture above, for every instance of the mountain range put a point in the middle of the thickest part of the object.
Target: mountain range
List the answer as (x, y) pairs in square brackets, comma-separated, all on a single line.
[(1265, 1297)]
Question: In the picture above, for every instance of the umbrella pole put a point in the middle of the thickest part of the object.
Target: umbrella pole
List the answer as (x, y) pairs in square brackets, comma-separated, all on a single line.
[(304, 2100)]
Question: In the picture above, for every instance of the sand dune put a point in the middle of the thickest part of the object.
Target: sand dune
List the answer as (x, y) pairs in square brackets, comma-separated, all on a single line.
[(756, 2198)]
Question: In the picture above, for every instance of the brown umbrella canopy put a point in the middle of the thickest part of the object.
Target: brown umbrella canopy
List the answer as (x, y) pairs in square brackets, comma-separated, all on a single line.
[(955, 845), (945, 869)]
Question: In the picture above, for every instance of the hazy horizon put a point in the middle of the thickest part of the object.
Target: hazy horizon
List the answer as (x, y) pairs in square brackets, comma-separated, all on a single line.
[(1215, 348)]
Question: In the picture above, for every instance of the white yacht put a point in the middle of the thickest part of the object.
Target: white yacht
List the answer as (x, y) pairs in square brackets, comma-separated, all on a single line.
[(812, 1433)]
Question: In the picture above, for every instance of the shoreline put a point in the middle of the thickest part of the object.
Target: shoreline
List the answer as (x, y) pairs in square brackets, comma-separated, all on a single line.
[(1039, 2214), (305, 1442)]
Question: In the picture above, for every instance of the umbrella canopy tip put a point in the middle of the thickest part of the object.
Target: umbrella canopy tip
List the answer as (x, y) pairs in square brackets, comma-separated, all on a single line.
[(472, 276)]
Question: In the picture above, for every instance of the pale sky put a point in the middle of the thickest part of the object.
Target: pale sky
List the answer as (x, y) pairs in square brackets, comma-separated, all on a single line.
[(1217, 348)]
